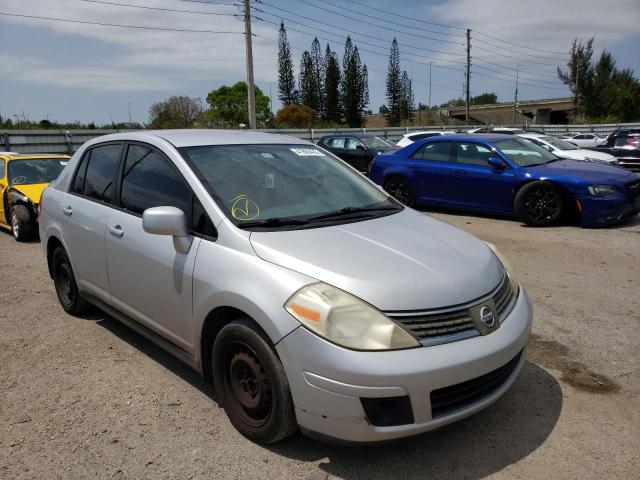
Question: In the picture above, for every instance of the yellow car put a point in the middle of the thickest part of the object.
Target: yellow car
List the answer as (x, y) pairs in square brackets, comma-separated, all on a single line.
[(23, 177)]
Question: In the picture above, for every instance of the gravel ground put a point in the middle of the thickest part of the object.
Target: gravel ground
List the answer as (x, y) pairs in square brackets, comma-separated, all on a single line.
[(88, 398)]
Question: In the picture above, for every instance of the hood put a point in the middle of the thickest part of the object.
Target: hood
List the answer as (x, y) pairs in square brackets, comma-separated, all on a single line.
[(33, 191), (582, 154), (404, 261), (575, 171)]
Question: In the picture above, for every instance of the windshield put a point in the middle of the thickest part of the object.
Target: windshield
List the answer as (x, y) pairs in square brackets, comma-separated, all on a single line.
[(559, 144), (267, 185), (524, 153), (35, 170), (375, 142)]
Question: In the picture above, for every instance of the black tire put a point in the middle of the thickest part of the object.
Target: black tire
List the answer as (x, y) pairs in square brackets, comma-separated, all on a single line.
[(400, 189), (65, 284), (22, 225), (251, 383), (539, 204)]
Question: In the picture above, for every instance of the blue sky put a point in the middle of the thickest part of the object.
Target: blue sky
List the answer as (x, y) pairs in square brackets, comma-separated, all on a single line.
[(69, 71)]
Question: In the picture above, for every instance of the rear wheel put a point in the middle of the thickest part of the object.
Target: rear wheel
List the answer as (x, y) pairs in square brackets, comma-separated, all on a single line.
[(539, 204), (22, 225), (65, 284), (400, 189), (251, 383)]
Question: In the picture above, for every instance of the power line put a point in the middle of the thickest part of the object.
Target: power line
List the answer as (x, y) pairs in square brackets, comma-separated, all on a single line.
[(416, 81), (499, 65), (104, 24), (519, 83), (101, 2), (519, 45), (211, 3), (505, 73), (353, 32), (375, 24), (512, 57), (534, 55)]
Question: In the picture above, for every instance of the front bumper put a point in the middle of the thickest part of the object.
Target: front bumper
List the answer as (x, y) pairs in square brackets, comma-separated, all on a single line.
[(328, 382), (608, 210)]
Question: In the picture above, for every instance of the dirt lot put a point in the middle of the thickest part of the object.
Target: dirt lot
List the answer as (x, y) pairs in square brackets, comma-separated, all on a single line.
[(88, 398)]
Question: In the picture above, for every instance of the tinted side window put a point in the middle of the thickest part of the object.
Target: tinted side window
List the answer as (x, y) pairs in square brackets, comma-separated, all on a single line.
[(101, 170), (150, 180), (335, 142), (352, 143), (78, 181), (472, 154), (434, 151), (200, 221)]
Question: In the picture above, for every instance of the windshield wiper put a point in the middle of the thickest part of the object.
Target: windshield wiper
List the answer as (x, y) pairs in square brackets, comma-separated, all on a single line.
[(273, 223), (351, 210)]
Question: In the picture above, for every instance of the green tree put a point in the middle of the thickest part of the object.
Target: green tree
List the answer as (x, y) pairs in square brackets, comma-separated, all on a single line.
[(484, 99), (394, 86), (407, 103), (354, 85), (332, 86), (228, 106), (307, 85), (175, 112), (286, 79), (579, 76), (319, 68)]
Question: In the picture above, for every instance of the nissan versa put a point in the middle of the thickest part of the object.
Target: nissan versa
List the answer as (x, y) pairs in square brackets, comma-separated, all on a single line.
[(309, 296)]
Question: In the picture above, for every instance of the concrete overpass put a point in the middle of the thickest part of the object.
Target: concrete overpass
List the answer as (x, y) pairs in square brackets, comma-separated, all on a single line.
[(542, 112)]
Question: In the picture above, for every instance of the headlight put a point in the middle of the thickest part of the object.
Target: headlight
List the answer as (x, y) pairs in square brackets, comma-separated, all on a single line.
[(346, 320), (601, 190), (507, 266)]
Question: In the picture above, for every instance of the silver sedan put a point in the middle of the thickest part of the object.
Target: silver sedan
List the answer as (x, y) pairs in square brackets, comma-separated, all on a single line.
[(309, 296)]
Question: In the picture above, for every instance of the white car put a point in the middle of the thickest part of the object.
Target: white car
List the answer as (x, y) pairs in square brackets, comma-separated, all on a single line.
[(568, 150), (505, 130), (586, 140), (409, 138)]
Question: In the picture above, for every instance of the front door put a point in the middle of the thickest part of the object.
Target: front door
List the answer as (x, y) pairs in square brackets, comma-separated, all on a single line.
[(477, 184), (149, 279), (356, 154)]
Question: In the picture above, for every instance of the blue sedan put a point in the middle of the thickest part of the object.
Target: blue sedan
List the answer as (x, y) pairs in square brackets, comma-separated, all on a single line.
[(507, 175)]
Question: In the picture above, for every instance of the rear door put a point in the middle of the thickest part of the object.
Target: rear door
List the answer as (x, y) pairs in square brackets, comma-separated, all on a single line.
[(477, 184), (336, 146), (84, 212), (431, 165)]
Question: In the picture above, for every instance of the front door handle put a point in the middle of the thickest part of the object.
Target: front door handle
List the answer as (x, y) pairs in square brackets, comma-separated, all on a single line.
[(67, 211), (117, 230)]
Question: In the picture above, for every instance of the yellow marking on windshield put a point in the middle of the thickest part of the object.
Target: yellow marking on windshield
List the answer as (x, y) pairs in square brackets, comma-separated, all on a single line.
[(243, 208)]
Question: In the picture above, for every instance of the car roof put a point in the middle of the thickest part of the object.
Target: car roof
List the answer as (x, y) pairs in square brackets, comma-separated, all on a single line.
[(444, 132), (532, 135), (202, 137), (468, 137), (31, 156), (354, 134)]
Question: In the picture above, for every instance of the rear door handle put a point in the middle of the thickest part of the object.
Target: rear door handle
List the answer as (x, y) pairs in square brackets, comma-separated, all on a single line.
[(460, 172), (67, 211), (117, 230)]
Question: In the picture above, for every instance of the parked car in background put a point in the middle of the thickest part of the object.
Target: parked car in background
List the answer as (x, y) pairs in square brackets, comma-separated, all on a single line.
[(409, 138), (501, 130), (624, 144), (310, 296), (508, 176), (358, 150), (22, 180), (586, 140), (564, 149)]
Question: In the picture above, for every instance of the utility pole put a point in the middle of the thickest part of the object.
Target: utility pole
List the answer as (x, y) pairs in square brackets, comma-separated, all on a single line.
[(468, 74), (515, 97), (429, 93), (251, 92), (576, 82), (270, 100), (129, 105)]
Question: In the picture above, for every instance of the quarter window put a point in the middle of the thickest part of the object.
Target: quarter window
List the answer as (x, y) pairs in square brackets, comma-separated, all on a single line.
[(150, 180), (101, 168), (438, 151), (472, 154), (200, 221)]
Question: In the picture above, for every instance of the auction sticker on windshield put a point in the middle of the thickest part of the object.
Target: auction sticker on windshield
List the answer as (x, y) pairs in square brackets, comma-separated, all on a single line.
[(307, 152)]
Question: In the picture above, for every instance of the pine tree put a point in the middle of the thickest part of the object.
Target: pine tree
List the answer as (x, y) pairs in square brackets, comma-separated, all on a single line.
[(307, 85), (406, 98), (354, 85), (286, 79), (319, 72), (579, 78), (394, 86), (332, 86)]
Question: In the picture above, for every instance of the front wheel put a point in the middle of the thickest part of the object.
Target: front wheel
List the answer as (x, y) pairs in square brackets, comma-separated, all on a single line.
[(400, 189), (22, 225), (251, 383), (539, 204)]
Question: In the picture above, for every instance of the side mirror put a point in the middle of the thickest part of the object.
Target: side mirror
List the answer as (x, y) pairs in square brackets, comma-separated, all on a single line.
[(168, 221), (495, 162), (360, 147)]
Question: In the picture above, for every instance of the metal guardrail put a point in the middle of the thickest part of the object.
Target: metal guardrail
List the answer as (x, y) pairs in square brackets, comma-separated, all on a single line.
[(58, 141)]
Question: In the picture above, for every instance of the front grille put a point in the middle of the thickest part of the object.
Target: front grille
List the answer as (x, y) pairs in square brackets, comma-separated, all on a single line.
[(633, 189), (447, 400), (454, 324), (630, 163)]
